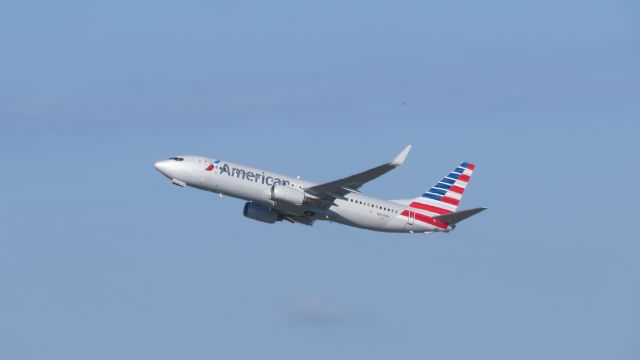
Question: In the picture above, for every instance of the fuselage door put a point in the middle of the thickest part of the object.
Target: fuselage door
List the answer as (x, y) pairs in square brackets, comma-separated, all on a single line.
[(411, 218)]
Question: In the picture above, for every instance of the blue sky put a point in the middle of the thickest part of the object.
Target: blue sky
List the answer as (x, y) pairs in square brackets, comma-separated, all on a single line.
[(100, 257)]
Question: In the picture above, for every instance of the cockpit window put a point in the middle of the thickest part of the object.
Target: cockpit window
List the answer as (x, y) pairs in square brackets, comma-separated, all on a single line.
[(177, 158)]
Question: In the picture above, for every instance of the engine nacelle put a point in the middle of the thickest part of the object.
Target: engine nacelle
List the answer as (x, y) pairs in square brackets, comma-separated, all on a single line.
[(283, 193), (260, 212)]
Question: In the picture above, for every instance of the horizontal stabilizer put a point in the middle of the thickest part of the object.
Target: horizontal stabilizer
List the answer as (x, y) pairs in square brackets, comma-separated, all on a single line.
[(456, 217)]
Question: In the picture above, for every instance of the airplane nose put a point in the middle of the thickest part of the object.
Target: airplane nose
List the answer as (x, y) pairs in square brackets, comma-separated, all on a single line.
[(162, 166)]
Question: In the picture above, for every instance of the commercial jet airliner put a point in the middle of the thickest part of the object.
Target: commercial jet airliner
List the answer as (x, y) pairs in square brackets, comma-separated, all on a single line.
[(273, 197)]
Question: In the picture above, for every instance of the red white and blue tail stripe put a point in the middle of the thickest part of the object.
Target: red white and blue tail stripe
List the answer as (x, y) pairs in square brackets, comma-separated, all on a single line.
[(444, 197)]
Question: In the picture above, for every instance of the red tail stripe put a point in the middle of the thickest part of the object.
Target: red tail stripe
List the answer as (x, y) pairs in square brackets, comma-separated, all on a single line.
[(426, 219), (464, 178), (449, 200), (456, 189), (471, 166), (433, 209), (431, 221)]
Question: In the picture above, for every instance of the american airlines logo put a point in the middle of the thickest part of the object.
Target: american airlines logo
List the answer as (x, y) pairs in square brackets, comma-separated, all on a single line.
[(249, 175), (211, 167)]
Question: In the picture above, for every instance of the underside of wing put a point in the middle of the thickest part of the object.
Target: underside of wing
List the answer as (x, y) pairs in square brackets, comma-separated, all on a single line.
[(294, 219), (328, 192)]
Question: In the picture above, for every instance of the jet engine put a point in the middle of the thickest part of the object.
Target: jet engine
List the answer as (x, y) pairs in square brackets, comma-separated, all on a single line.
[(283, 193), (260, 212)]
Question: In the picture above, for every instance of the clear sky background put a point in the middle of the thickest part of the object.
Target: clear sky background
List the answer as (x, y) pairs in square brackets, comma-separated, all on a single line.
[(101, 258)]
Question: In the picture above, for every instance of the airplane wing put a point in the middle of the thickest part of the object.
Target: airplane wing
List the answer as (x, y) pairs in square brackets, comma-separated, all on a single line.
[(330, 191)]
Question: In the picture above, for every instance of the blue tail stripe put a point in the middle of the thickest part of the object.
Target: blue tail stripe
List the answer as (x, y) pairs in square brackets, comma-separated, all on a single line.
[(432, 196), (438, 191), (443, 186), (459, 170), (448, 181), (453, 175)]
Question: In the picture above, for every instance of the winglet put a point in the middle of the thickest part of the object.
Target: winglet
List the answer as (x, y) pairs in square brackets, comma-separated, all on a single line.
[(400, 158)]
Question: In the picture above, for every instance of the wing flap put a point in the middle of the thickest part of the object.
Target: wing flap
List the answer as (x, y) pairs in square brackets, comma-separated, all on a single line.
[(299, 220)]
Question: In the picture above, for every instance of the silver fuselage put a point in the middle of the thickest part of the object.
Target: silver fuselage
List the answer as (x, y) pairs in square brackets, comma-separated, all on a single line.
[(251, 184)]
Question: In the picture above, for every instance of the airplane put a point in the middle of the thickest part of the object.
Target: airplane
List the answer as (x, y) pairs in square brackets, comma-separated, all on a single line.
[(273, 197)]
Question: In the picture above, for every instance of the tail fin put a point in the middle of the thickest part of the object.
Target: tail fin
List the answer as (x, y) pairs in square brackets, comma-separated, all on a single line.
[(444, 197)]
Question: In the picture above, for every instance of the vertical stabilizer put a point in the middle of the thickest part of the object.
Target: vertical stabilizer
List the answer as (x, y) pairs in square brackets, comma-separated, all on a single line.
[(444, 197)]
